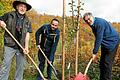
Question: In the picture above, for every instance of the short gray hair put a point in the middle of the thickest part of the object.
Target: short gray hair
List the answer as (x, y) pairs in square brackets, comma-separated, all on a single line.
[(87, 14)]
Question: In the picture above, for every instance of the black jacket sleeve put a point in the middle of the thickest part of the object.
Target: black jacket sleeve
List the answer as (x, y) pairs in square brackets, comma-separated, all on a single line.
[(37, 34)]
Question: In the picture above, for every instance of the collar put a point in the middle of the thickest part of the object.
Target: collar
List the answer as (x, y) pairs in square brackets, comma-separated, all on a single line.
[(19, 15)]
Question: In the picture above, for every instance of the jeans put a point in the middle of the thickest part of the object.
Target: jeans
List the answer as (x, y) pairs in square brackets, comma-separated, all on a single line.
[(8, 55)]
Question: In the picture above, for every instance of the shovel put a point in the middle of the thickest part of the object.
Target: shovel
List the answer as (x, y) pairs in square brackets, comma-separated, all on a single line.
[(54, 70), (26, 54), (81, 76)]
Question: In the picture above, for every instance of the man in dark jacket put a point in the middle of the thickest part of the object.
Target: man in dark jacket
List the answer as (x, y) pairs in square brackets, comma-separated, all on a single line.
[(106, 37), (19, 26), (48, 43)]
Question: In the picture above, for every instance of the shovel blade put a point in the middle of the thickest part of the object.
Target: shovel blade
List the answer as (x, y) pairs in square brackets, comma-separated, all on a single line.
[(80, 76)]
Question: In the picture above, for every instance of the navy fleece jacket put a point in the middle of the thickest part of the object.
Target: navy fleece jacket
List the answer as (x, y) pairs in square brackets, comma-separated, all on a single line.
[(48, 42), (105, 35)]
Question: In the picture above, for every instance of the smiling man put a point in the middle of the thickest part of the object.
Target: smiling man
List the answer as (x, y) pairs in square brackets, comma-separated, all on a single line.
[(106, 37), (49, 39), (20, 27)]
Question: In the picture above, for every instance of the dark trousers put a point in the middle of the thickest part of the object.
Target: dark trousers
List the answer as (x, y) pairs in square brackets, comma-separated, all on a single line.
[(42, 59), (106, 62)]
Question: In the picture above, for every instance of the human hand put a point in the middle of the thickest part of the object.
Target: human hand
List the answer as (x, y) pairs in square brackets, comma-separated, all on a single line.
[(50, 62), (95, 59), (38, 46), (2, 24), (25, 51)]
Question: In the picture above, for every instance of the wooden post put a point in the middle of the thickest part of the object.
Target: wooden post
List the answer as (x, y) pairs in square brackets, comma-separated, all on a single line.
[(72, 5), (63, 39), (77, 39)]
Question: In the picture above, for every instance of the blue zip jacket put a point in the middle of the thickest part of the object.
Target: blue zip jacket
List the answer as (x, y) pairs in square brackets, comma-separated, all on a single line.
[(48, 40), (105, 35)]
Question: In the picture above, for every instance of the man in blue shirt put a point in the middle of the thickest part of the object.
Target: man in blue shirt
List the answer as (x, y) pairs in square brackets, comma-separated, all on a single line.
[(106, 37), (48, 42)]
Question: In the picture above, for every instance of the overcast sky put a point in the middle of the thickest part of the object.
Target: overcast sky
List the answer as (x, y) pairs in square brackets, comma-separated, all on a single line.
[(107, 9)]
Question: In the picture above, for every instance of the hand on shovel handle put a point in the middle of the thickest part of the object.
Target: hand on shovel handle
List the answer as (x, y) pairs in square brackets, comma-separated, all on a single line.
[(94, 58), (2, 24), (50, 62), (25, 51)]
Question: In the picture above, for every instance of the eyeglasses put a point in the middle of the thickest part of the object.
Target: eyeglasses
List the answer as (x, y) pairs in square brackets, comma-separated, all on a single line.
[(54, 25), (87, 20)]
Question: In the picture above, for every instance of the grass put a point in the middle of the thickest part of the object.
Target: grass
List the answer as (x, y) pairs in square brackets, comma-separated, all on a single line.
[(30, 72)]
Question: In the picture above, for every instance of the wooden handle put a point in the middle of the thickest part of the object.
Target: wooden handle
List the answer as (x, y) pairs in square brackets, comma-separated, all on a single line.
[(88, 66), (49, 63)]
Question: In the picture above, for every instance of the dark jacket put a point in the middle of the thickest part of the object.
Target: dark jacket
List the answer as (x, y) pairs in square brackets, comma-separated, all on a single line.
[(48, 40), (10, 20), (105, 35)]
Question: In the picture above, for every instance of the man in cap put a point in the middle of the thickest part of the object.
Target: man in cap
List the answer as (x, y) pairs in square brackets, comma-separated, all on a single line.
[(20, 27)]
